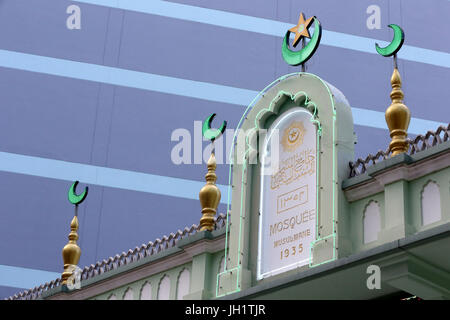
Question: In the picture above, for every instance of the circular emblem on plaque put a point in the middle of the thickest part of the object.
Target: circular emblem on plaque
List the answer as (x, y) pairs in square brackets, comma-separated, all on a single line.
[(293, 136)]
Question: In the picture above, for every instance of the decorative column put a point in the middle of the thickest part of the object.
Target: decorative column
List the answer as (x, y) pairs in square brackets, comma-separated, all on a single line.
[(71, 252), (397, 117), (209, 196)]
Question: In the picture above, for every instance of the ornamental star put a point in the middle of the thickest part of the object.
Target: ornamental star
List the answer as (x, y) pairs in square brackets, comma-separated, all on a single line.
[(301, 29)]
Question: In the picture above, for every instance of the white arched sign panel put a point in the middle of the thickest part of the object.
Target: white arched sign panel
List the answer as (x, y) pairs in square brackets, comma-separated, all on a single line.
[(288, 198)]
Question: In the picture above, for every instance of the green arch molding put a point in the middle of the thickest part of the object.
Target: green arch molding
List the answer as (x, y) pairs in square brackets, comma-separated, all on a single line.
[(295, 58), (396, 43), (301, 100), (268, 103), (231, 161)]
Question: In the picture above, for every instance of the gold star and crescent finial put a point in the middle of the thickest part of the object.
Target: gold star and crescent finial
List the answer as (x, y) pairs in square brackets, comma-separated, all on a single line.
[(295, 58), (301, 29)]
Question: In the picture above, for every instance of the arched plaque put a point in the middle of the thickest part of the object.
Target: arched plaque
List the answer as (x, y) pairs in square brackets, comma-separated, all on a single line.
[(254, 211), (288, 196)]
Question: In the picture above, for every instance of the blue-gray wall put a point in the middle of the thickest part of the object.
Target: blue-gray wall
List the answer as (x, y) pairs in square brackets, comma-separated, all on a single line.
[(77, 102)]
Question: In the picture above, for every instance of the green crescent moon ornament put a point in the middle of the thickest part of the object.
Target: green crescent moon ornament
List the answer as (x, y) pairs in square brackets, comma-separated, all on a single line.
[(212, 134), (395, 45), (73, 197), (294, 58)]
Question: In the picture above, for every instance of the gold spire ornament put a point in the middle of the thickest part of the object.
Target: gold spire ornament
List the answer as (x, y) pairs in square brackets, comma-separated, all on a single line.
[(209, 196), (397, 116), (71, 252)]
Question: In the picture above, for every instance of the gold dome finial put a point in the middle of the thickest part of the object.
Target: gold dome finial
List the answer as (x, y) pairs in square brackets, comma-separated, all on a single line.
[(397, 116), (71, 252), (209, 196)]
